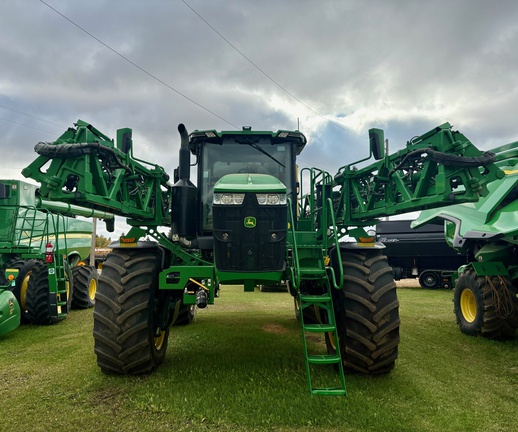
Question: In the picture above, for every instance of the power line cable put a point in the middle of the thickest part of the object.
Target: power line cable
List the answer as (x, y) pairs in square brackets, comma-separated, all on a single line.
[(32, 116), (27, 126), (266, 75), (138, 67)]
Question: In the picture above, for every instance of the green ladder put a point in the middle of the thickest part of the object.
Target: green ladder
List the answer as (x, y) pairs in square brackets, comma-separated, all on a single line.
[(58, 298), (324, 303), (311, 267)]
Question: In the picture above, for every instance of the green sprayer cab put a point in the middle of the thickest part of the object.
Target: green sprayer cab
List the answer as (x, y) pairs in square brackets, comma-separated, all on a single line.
[(40, 249), (250, 219), (239, 212), (485, 294)]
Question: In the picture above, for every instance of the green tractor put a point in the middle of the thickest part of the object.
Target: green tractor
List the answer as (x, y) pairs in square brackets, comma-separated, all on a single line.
[(485, 294), (41, 252), (253, 219)]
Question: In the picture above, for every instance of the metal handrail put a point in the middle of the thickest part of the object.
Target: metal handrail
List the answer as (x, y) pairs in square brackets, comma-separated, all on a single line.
[(295, 272)]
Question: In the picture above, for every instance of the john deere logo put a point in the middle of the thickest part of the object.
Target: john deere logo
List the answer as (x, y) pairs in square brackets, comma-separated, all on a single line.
[(250, 222)]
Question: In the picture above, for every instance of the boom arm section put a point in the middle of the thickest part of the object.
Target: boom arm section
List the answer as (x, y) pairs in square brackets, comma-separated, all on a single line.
[(86, 168), (435, 169)]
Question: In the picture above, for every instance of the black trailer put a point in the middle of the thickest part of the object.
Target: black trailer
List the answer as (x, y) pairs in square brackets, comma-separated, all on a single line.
[(421, 252)]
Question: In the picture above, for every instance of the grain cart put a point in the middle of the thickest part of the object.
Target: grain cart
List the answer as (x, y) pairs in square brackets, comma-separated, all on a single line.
[(420, 252), (40, 249), (251, 220), (485, 296)]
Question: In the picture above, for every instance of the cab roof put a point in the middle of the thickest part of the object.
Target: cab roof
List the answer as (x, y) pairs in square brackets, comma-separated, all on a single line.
[(212, 136)]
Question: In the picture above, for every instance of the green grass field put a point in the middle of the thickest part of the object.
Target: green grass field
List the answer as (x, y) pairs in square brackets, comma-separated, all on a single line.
[(240, 367)]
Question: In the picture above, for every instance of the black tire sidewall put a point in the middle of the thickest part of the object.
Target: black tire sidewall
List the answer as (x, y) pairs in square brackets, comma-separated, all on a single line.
[(124, 328), (423, 280), (81, 288), (24, 267), (468, 281), (353, 311)]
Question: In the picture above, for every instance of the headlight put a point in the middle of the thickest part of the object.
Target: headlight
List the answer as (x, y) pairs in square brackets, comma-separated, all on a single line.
[(271, 199), (229, 198)]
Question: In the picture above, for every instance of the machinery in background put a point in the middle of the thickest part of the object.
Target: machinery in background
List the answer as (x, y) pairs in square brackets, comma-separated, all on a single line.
[(42, 246), (485, 295), (419, 253)]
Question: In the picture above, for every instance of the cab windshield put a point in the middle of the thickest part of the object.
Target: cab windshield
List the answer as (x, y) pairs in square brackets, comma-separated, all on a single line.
[(232, 157)]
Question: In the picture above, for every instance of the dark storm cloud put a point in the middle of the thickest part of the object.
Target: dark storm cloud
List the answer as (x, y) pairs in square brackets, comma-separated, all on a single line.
[(405, 66)]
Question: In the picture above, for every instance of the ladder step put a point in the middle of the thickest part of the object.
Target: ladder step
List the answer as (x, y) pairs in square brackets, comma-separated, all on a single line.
[(312, 271), (324, 359), (315, 298), (319, 328), (333, 391)]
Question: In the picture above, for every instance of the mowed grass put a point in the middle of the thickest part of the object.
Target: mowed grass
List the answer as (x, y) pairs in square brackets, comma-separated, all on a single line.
[(240, 367)]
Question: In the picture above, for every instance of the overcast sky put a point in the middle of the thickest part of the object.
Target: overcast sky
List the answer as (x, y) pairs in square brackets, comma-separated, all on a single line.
[(336, 68)]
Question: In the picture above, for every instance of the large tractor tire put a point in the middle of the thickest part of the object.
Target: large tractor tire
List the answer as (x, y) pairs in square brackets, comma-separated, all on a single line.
[(486, 306), (126, 339), (85, 286), (25, 268), (38, 296), (367, 314)]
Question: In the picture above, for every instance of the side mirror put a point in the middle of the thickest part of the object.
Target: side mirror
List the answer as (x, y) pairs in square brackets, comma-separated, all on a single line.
[(377, 143), (124, 140)]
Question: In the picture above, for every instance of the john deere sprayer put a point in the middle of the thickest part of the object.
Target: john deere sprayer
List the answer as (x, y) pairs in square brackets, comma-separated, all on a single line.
[(251, 219), (41, 245), (485, 294)]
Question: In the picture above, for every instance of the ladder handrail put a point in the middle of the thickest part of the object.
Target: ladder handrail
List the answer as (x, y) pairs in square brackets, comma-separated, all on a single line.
[(295, 272), (340, 283), (324, 216)]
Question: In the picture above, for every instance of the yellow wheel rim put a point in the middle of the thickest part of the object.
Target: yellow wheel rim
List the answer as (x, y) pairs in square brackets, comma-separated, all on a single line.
[(159, 340), (23, 290), (468, 305), (92, 289)]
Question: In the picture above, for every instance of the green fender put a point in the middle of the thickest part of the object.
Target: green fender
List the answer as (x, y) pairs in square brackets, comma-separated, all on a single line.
[(9, 312)]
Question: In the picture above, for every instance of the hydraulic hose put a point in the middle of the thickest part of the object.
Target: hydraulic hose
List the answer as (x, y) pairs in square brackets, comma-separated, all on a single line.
[(447, 159), (65, 151)]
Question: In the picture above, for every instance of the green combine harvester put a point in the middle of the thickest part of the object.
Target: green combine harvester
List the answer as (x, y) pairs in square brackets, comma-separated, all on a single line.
[(253, 219), (485, 294), (41, 252)]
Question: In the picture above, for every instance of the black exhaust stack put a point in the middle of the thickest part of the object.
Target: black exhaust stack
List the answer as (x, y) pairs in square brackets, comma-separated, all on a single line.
[(184, 171), (184, 206)]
